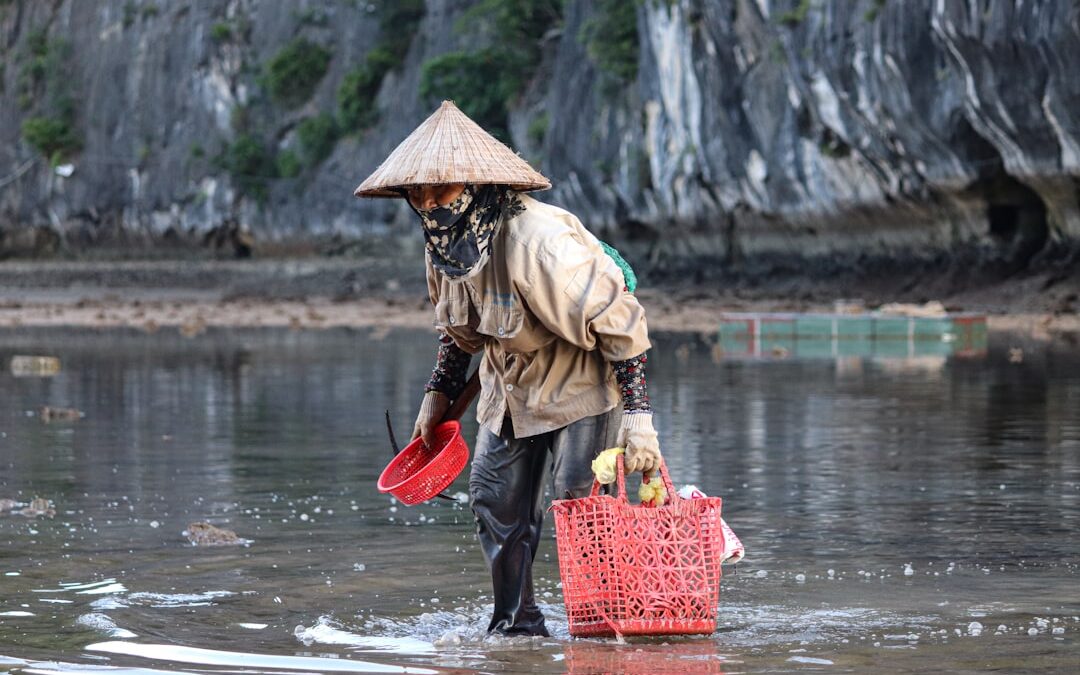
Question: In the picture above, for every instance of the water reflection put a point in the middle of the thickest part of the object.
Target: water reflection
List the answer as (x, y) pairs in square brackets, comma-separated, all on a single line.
[(840, 475), (590, 657)]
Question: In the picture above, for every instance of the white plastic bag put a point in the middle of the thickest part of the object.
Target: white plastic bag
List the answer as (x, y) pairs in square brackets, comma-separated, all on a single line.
[(733, 548)]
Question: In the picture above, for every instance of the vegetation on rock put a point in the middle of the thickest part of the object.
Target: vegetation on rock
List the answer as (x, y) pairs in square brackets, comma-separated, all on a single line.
[(288, 164), (486, 81), (221, 32), (293, 73), (251, 164), (398, 23), (45, 85), (795, 15), (611, 39), (317, 137), (54, 138), (875, 9)]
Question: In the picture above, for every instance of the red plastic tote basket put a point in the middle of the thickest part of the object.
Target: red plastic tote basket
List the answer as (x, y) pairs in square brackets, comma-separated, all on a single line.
[(418, 473), (639, 570)]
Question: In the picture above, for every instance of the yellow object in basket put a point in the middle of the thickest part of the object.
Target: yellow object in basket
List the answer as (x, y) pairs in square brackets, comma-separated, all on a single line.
[(604, 466), (653, 493)]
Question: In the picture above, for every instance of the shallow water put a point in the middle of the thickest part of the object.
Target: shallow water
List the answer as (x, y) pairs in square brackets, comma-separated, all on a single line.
[(899, 515)]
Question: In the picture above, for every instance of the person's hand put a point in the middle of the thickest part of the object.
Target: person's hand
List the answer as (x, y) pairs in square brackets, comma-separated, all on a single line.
[(432, 410), (637, 435)]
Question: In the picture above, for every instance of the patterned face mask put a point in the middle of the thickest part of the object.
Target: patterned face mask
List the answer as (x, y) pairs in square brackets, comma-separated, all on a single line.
[(459, 234)]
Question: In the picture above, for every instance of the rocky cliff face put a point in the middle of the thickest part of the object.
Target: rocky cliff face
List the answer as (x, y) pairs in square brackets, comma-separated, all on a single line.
[(741, 130)]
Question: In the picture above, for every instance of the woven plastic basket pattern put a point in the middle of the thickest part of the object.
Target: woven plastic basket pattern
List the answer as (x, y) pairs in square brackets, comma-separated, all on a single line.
[(418, 473), (636, 570)]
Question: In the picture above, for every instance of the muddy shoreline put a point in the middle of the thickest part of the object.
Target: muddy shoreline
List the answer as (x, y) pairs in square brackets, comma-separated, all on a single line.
[(313, 293)]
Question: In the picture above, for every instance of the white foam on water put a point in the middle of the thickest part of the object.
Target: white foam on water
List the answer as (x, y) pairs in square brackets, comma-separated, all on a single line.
[(328, 632), (162, 600), (16, 613), (469, 622), (811, 659), (81, 586), (253, 626), (56, 601), (215, 657), (178, 599), (104, 624), (61, 668), (104, 590), (758, 625), (108, 603), (11, 661)]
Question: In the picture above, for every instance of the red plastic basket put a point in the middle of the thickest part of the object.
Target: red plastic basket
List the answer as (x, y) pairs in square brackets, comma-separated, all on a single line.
[(639, 570), (418, 473)]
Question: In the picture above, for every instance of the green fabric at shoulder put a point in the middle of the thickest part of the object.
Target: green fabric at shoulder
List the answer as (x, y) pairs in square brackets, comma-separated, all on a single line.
[(627, 271)]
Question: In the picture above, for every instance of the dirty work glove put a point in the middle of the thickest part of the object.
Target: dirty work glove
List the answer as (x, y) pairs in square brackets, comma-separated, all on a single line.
[(432, 410), (637, 435)]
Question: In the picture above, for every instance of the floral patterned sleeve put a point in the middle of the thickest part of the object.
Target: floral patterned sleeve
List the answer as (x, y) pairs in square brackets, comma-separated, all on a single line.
[(451, 368), (631, 377)]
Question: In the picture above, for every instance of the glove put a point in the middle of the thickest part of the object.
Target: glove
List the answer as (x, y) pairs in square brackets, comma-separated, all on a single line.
[(432, 410), (637, 435)]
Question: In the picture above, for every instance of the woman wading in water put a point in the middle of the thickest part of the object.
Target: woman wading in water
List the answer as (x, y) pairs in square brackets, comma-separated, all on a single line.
[(563, 343)]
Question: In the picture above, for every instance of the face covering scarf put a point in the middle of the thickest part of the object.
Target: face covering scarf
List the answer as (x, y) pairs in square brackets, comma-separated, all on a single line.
[(459, 234)]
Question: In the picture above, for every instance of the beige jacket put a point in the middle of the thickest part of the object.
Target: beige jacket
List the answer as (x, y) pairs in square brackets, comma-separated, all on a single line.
[(549, 312)]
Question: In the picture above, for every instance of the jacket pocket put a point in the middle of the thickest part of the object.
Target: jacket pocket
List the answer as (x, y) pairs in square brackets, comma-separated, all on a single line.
[(578, 288), (500, 322), (452, 310)]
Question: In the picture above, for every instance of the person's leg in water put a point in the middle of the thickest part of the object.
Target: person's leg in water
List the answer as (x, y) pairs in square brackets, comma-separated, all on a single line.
[(506, 486)]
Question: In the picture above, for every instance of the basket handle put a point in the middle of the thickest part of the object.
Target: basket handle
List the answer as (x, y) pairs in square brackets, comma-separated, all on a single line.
[(620, 479)]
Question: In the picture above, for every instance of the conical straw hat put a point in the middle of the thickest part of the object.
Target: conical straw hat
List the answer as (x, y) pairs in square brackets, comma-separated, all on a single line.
[(448, 147)]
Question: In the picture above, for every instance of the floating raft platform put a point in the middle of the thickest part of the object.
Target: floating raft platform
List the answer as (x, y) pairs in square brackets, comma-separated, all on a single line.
[(839, 335)]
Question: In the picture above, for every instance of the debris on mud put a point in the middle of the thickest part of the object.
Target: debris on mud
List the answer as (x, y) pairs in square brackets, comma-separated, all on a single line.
[(49, 413), (204, 534), (34, 366), (38, 507)]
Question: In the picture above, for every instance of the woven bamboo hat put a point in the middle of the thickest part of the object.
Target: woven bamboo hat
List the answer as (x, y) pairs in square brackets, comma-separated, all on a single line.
[(448, 147)]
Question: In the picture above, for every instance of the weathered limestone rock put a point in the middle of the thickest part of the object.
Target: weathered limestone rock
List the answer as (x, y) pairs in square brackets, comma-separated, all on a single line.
[(754, 133)]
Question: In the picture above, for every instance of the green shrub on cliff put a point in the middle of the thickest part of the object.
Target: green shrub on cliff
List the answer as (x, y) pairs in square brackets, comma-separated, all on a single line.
[(221, 32), (485, 82), (130, 11), (45, 84), (293, 73), (34, 60), (356, 97), (538, 128), (398, 23), (288, 164), (317, 136), (250, 164), (794, 16), (52, 137), (872, 13), (477, 82), (611, 39)]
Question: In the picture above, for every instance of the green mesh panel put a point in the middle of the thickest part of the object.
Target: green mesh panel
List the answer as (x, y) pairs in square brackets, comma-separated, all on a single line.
[(627, 271)]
